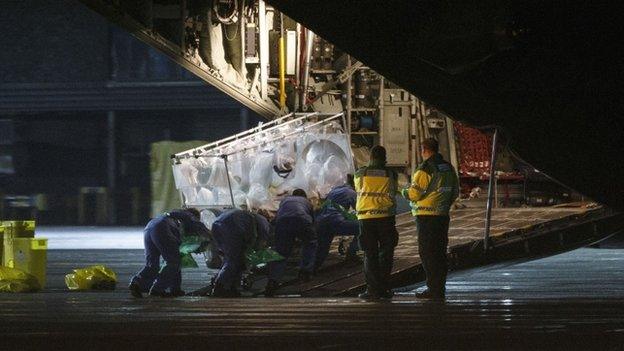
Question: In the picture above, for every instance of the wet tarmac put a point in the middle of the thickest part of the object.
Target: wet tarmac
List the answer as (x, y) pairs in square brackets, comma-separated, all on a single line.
[(569, 301)]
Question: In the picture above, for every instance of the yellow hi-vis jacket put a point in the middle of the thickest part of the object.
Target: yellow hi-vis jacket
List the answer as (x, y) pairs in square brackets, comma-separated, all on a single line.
[(375, 187), (434, 188)]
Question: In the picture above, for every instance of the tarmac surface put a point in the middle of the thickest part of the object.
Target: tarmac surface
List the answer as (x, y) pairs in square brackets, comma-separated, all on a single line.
[(573, 300)]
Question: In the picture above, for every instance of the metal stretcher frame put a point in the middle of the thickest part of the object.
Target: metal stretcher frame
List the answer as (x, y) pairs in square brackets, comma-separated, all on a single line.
[(292, 118)]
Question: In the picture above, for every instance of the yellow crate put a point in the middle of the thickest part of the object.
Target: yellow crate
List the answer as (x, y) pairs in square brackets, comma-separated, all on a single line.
[(15, 229), (1, 244), (27, 254), (19, 229)]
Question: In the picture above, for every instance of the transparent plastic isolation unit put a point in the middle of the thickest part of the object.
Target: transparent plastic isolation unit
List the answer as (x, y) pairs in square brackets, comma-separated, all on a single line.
[(257, 168)]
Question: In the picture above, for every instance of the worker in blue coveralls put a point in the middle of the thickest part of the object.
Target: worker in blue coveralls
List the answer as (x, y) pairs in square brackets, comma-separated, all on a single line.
[(331, 220), (236, 231), (162, 237), (294, 219)]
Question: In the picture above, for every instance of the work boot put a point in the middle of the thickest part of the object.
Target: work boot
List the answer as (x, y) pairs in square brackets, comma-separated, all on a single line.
[(177, 293), (304, 276), (153, 293), (205, 291), (316, 269), (429, 295), (271, 288), (352, 258), (135, 290), (234, 292), (220, 291), (173, 293), (368, 296), (387, 295)]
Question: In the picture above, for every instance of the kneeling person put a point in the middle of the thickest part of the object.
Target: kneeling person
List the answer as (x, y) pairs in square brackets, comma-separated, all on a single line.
[(332, 221), (294, 219), (162, 237), (236, 231)]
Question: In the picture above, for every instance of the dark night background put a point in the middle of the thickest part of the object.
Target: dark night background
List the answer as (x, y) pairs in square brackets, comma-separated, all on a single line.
[(64, 70)]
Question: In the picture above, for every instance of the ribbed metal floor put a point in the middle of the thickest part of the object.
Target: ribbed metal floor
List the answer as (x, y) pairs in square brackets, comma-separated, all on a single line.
[(466, 229)]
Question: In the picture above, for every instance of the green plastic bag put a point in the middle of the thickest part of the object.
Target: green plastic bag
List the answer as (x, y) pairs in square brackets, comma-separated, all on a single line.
[(187, 261), (191, 244), (257, 257), (350, 216), (96, 277), (16, 281)]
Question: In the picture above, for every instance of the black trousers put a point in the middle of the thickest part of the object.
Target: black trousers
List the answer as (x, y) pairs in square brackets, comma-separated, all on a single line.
[(432, 243), (378, 238)]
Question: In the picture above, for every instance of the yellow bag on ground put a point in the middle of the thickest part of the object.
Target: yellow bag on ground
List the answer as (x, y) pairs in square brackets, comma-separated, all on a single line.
[(96, 277), (15, 280)]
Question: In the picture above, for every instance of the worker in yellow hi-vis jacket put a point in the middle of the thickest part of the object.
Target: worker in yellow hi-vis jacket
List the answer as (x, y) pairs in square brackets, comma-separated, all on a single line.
[(433, 190), (376, 187)]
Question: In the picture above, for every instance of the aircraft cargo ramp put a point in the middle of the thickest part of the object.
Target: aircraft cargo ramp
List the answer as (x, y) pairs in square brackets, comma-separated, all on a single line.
[(515, 233)]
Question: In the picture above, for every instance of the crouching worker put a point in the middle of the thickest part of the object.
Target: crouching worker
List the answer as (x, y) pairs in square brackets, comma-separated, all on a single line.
[(294, 219), (334, 219), (162, 237), (235, 232)]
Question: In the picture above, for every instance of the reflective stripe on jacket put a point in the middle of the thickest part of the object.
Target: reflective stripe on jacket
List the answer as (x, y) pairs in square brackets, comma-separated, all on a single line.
[(434, 187), (375, 188)]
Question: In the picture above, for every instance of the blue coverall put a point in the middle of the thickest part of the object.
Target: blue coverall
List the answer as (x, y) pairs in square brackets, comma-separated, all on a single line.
[(330, 222), (233, 232), (162, 237), (294, 219)]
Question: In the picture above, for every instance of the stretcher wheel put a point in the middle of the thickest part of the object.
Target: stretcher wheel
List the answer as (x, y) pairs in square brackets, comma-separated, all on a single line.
[(247, 283), (341, 247)]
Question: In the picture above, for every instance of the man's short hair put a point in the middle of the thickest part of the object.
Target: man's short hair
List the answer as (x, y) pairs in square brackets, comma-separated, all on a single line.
[(300, 192), (430, 144), (378, 153), (194, 212)]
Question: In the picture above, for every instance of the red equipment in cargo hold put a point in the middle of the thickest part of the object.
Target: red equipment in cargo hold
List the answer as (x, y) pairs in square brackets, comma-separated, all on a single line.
[(475, 150)]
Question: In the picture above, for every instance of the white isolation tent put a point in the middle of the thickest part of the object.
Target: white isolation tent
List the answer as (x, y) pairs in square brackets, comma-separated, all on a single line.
[(256, 168)]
